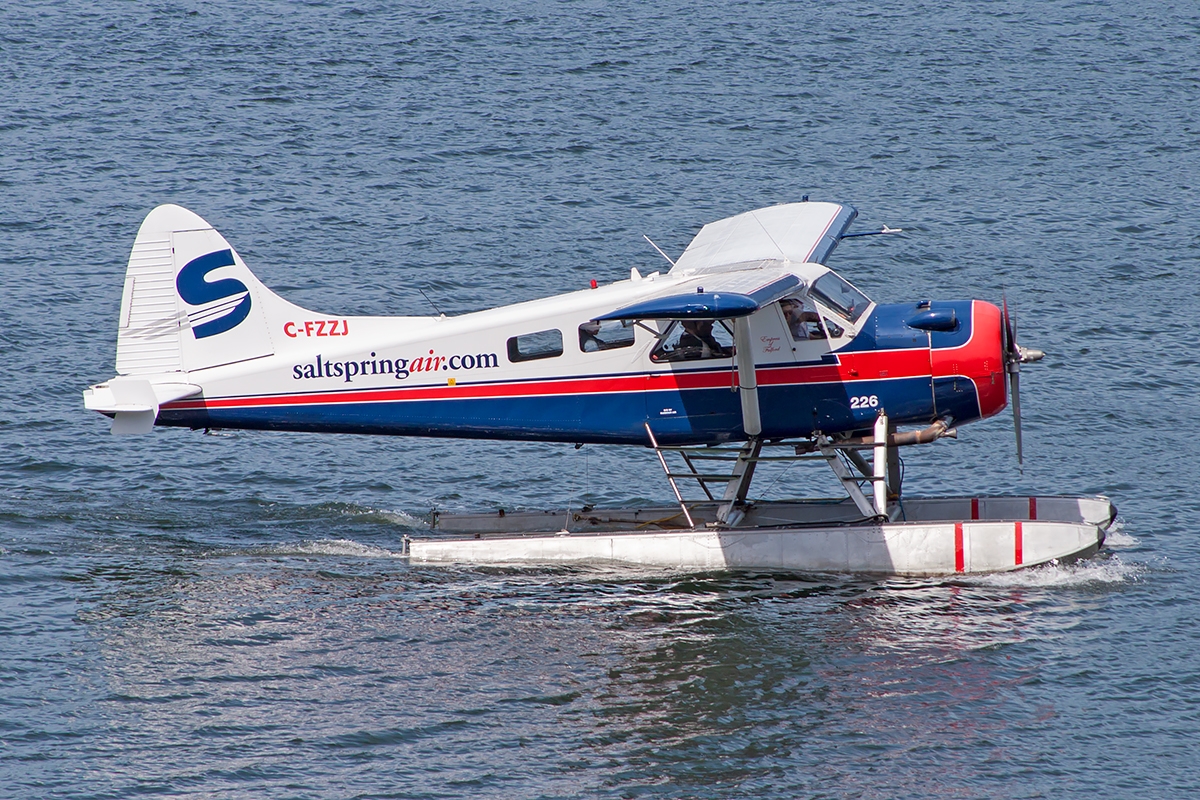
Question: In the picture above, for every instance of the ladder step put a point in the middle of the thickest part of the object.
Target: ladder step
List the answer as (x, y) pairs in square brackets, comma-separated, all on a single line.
[(701, 457), (700, 476)]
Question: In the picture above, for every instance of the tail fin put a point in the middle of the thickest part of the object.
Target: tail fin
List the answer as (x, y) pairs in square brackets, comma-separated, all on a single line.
[(189, 303), (174, 316)]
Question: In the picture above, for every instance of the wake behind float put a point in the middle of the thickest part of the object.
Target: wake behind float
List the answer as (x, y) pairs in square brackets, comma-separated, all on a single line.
[(748, 350)]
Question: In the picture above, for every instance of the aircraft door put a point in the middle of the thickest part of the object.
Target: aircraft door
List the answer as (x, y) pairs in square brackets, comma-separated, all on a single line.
[(810, 337), (689, 385), (805, 332)]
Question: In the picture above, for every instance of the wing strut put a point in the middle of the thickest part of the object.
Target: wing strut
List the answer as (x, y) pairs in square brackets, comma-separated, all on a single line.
[(747, 378)]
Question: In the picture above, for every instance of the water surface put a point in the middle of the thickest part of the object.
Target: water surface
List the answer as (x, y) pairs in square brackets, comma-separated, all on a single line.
[(198, 616)]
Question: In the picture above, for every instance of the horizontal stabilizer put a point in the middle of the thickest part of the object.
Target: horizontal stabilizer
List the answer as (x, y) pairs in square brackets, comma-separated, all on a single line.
[(736, 295), (134, 402)]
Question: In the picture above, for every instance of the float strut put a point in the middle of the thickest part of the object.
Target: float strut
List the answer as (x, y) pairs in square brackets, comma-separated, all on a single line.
[(880, 480), (739, 482), (849, 482), (893, 463)]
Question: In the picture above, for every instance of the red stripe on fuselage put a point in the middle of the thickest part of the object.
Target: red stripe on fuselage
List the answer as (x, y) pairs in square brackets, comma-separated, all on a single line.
[(853, 367), (460, 391), (868, 365)]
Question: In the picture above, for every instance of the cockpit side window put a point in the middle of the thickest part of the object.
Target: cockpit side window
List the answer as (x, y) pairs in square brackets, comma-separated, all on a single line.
[(688, 340), (840, 297), (607, 335)]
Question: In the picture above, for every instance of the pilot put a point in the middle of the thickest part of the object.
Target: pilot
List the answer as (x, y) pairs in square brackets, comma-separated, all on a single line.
[(803, 324), (697, 341)]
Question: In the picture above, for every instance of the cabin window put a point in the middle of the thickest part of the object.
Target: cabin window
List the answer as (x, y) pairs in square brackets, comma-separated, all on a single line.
[(607, 335), (841, 298), (802, 319), (532, 346), (694, 339)]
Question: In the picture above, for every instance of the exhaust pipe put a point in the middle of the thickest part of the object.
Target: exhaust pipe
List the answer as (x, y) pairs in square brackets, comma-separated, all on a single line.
[(938, 430)]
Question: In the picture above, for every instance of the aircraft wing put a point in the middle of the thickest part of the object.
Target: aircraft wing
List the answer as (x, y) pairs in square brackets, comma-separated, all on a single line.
[(793, 232), (722, 296)]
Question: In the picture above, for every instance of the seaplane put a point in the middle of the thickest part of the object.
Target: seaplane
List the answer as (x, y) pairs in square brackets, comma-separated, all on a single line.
[(749, 349)]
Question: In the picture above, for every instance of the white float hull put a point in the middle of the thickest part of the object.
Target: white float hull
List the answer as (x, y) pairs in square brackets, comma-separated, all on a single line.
[(929, 546)]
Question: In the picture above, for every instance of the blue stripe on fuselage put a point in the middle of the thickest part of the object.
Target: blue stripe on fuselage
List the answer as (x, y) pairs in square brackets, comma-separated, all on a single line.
[(700, 416)]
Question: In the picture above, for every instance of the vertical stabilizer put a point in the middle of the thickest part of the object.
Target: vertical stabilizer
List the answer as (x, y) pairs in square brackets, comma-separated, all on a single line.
[(189, 301)]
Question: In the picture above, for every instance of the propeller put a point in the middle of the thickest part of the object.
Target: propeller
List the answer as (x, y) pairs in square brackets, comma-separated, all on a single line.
[(1014, 357)]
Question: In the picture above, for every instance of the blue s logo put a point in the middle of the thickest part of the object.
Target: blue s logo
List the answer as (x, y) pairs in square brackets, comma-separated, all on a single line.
[(196, 291)]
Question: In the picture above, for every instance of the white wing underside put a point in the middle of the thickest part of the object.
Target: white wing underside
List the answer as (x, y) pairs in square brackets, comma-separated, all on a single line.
[(792, 233)]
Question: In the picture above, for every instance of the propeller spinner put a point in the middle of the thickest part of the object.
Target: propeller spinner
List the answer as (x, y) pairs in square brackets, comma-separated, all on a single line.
[(1014, 357)]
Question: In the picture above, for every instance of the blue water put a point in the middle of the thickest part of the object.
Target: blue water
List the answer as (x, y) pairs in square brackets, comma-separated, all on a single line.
[(185, 615)]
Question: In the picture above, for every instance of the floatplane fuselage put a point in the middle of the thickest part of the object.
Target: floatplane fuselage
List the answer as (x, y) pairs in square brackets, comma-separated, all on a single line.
[(749, 334)]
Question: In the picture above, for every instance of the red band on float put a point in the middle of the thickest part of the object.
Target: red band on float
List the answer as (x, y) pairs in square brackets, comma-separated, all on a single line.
[(959, 562)]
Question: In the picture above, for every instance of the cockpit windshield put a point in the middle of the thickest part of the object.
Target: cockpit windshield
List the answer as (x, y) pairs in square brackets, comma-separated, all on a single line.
[(839, 296)]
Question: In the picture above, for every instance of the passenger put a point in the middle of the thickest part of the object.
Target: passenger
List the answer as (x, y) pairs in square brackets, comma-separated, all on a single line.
[(697, 341), (589, 338)]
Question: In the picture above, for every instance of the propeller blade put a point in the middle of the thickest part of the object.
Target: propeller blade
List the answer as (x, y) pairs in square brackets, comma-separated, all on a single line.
[(1009, 334), (1012, 371), (1004, 344), (1016, 404)]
